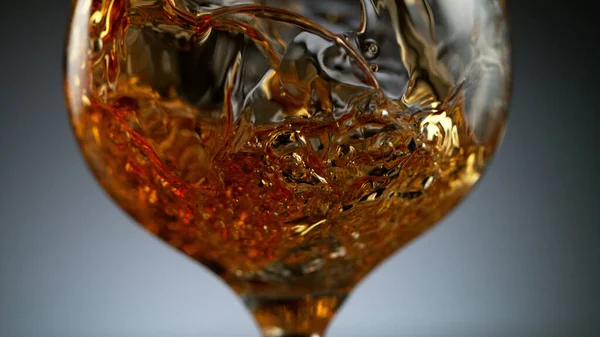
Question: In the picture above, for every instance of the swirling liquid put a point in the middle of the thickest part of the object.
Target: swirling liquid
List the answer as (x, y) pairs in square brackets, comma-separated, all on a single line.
[(289, 146)]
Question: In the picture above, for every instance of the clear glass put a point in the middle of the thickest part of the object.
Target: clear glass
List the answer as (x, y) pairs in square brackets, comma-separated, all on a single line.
[(288, 146)]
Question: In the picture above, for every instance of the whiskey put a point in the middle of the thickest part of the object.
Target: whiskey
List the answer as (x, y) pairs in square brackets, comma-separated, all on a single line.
[(289, 148)]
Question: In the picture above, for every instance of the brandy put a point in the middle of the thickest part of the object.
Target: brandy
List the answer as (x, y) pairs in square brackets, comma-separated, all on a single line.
[(283, 146)]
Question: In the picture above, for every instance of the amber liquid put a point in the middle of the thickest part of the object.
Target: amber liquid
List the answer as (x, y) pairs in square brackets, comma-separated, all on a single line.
[(262, 145)]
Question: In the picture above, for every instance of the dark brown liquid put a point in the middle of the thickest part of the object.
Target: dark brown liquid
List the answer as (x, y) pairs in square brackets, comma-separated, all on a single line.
[(287, 158)]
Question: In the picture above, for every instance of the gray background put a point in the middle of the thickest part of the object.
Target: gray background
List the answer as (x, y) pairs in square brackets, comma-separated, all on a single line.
[(520, 257)]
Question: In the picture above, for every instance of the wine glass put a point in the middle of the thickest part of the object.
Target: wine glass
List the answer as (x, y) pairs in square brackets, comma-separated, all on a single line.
[(288, 146)]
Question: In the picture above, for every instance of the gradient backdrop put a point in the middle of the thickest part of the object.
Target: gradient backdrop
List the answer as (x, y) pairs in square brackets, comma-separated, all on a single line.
[(520, 257)]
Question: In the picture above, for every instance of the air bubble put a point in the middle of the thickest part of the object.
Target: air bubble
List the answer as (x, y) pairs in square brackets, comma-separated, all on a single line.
[(427, 182), (338, 253), (346, 208), (96, 45)]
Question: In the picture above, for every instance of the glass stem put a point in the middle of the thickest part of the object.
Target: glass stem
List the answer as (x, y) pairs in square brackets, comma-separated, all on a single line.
[(305, 316)]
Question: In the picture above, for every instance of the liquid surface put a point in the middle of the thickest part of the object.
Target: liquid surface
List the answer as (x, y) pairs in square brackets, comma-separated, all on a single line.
[(288, 147)]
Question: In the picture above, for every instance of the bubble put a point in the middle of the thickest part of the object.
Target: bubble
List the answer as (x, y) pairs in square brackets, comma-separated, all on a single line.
[(96, 46)]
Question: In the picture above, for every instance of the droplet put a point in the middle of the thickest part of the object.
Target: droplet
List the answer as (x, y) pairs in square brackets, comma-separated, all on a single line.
[(370, 49), (373, 49)]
